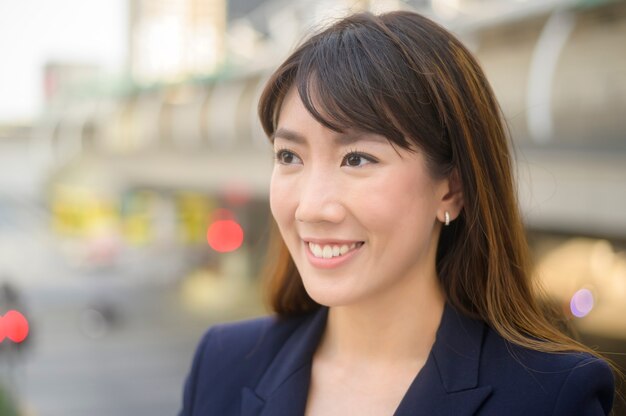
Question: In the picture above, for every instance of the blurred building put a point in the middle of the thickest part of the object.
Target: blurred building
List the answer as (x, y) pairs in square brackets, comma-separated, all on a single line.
[(174, 40), (61, 79)]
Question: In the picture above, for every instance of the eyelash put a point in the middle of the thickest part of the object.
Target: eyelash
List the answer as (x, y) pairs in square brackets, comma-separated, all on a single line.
[(279, 153), (282, 151), (355, 152)]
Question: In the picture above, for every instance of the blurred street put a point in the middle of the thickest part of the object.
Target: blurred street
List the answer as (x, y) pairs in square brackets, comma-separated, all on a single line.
[(101, 343), (131, 368)]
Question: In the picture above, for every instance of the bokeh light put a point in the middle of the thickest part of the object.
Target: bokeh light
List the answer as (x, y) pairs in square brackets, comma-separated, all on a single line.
[(14, 326), (225, 235), (581, 303)]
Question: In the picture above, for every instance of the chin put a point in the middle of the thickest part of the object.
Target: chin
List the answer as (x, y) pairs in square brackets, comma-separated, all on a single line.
[(329, 295)]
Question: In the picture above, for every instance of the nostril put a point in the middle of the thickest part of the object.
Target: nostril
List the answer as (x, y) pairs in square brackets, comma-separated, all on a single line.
[(319, 212)]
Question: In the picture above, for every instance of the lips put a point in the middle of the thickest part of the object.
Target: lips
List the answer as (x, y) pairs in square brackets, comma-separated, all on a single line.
[(330, 253)]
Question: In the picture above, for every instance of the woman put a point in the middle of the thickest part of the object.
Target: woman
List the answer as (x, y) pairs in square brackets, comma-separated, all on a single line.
[(402, 279)]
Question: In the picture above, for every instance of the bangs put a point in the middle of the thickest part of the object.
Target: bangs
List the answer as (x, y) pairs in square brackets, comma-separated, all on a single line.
[(346, 86)]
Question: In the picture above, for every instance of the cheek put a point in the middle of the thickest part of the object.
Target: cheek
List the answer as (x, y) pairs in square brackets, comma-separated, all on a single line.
[(400, 201), (280, 202)]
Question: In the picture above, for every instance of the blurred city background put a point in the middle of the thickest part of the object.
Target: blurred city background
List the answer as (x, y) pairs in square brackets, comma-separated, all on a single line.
[(134, 177)]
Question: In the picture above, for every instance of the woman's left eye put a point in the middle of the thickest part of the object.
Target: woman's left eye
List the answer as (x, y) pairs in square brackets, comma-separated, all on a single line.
[(355, 159)]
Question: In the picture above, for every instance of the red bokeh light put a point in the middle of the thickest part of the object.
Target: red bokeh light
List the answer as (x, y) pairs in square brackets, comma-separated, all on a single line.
[(14, 326), (225, 235)]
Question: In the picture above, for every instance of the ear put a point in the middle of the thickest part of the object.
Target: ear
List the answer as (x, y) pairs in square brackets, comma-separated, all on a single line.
[(452, 197)]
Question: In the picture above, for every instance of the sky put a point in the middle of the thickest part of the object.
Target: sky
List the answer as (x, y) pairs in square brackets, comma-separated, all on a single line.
[(33, 32)]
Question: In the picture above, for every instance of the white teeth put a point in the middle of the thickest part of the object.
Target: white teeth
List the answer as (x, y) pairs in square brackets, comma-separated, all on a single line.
[(316, 250), (330, 251)]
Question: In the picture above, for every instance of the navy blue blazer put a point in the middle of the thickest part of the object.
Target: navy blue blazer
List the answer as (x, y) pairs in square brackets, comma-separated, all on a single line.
[(263, 367)]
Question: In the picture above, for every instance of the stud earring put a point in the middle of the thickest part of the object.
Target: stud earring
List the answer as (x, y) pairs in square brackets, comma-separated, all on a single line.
[(446, 216)]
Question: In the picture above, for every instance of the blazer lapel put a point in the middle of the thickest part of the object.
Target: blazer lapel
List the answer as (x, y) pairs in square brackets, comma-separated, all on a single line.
[(448, 382), (283, 389), (446, 385)]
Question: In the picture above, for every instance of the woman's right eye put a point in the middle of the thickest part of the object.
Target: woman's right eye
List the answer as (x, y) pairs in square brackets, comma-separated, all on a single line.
[(286, 157)]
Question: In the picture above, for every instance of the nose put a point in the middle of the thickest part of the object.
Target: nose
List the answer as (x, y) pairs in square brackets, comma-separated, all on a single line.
[(320, 199)]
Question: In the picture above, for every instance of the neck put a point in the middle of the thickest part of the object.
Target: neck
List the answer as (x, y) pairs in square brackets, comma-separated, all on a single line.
[(399, 326)]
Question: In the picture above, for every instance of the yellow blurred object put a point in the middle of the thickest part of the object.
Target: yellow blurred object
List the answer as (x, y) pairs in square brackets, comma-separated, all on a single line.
[(78, 212), (208, 290), (588, 264), (193, 214), (137, 224)]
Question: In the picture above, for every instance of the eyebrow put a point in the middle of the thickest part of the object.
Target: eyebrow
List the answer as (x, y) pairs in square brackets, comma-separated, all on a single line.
[(289, 135), (342, 139)]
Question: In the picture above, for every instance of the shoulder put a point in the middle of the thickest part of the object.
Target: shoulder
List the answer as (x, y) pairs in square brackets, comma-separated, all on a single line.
[(571, 383), (243, 336), (255, 339), (588, 388), (230, 357), (250, 343)]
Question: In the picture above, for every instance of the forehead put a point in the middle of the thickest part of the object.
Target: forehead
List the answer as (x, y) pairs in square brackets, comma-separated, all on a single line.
[(291, 109), (296, 124)]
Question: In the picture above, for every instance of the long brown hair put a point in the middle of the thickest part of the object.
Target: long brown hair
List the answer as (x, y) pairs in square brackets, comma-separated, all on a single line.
[(404, 77)]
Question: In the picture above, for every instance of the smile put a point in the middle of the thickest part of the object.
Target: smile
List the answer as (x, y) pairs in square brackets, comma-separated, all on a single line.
[(328, 251)]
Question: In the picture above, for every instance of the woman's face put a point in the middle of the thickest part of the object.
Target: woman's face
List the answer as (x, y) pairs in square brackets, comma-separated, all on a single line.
[(358, 215)]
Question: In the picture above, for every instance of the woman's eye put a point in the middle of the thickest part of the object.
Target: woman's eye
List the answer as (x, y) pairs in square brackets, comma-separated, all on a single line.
[(356, 159), (286, 157)]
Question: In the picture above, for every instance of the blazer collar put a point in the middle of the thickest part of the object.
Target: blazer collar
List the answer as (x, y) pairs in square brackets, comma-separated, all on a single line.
[(448, 382), (446, 385), (284, 387)]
